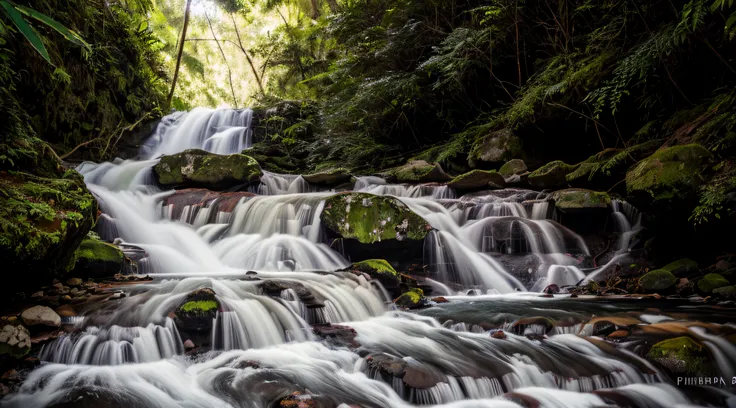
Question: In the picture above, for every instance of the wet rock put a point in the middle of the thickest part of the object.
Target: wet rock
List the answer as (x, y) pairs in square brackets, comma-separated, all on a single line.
[(196, 312), (440, 299), (550, 289), (330, 177), (298, 400), (189, 345), (478, 180), (50, 218), (337, 335), (667, 181), (551, 175), (274, 287), (412, 299), (682, 356), (498, 334), (40, 316), (657, 280), (712, 281), (96, 260), (513, 167), (618, 334), (382, 271), (37, 295), (728, 292), (417, 171), (534, 325), (15, 340), (198, 168), (606, 168), (496, 148), (45, 337)]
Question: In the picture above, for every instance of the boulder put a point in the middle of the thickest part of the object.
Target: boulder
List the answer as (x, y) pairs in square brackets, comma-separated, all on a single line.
[(728, 292), (412, 299), (97, 259), (681, 267), (657, 280), (42, 222), (198, 168), (496, 148), (578, 199), (382, 271), (40, 316), (273, 158), (513, 167), (331, 177), (682, 356), (418, 171), (197, 311), (15, 340), (478, 180), (668, 180), (551, 175), (712, 281)]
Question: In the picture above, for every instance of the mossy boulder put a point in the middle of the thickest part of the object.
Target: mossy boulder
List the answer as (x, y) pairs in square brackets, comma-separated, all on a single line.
[(418, 171), (712, 281), (375, 268), (657, 280), (512, 168), (606, 168), (728, 292), (478, 180), (198, 168), (196, 312), (551, 175), (42, 222), (496, 148), (329, 177), (576, 199), (15, 340), (97, 259), (369, 218), (412, 299), (681, 267), (668, 180), (682, 356)]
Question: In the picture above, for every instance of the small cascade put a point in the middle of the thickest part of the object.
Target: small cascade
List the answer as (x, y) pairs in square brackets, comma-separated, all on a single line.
[(626, 222), (277, 184)]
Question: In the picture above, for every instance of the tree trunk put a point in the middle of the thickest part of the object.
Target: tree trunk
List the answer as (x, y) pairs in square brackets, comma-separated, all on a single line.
[(315, 10), (334, 7), (247, 57), (182, 40), (224, 58)]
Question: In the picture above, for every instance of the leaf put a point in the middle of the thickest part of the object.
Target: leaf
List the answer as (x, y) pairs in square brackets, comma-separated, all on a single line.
[(67, 33), (27, 31)]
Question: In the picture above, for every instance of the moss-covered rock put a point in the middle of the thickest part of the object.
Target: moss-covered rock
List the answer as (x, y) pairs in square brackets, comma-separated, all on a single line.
[(375, 268), (329, 177), (607, 168), (728, 292), (97, 259), (551, 175), (657, 280), (196, 312), (274, 158), (369, 218), (15, 340), (513, 167), (668, 179), (682, 355), (496, 148), (477, 180), (418, 171), (42, 222), (712, 281), (681, 267), (573, 199), (411, 299), (198, 168)]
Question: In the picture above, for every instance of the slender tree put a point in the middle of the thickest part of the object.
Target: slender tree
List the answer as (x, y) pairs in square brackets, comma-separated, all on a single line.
[(182, 40)]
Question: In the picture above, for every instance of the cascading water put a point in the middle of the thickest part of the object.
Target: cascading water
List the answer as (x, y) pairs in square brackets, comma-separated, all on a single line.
[(277, 286)]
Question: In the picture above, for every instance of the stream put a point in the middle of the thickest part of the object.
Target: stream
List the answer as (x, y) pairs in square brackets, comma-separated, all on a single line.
[(495, 343)]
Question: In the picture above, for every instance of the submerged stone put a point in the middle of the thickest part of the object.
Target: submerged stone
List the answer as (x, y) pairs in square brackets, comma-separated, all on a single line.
[(512, 168), (418, 171), (198, 168), (551, 175), (659, 279), (97, 259), (712, 281), (478, 179)]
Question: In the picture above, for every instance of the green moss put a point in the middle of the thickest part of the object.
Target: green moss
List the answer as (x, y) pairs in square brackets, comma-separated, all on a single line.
[(671, 174), (95, 250), (605, 168), (681, 355), (43, 220), (478, 179), (712, 281), (725, 291), (375, 266), (578, 198), (370, 218), (418, 171), (200, 307), (551, 174), (512, 167), (411, 299), (658, 279), (681, 266), (196, 167)]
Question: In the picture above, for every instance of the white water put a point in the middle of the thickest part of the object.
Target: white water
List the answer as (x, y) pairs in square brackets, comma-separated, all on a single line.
[(264, 346)]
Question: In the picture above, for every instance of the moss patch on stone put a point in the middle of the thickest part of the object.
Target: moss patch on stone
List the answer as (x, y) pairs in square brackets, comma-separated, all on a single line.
[(578, 198), (98, 259), (200, 307), (667, 177), (658, 279), (512, 167), (418, 171), (375, 266), (198, 168), (681, 267), (681, 355), (478, 179), (411, 299), (43, 220), (551, 175), (712, 281), (370, 218)]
